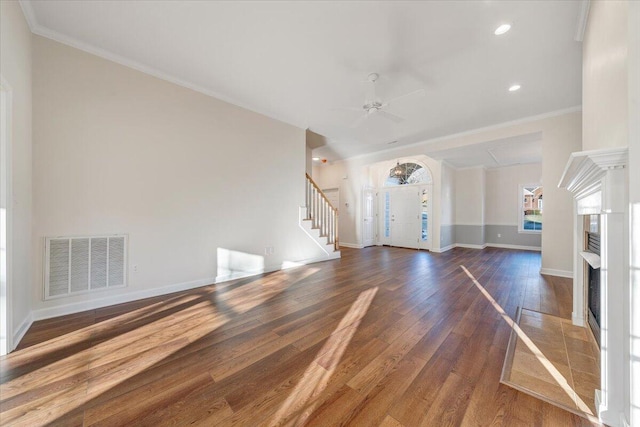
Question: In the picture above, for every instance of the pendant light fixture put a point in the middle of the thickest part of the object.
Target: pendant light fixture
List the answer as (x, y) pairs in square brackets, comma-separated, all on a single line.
[(398, 170)]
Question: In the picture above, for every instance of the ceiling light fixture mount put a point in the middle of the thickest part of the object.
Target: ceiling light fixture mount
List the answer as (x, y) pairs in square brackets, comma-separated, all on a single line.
[(502, 29)]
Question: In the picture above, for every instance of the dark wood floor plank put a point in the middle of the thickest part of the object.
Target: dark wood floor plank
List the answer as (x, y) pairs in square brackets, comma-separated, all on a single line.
[(383, 336)]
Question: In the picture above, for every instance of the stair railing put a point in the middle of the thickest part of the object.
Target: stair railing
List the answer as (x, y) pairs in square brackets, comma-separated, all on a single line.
[(321, 213)]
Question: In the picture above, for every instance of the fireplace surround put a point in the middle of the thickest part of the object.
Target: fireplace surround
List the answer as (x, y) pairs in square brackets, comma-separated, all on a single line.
[(598, 181)]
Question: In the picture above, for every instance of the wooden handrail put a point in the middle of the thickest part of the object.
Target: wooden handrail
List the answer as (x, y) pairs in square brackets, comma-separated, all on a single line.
[(320, 191)]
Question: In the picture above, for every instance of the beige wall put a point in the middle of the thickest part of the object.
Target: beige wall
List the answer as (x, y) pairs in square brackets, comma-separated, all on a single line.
[(448, 196), (470, 196), (184, 174), (503, 200), (604, 76), (562, 136), (15, 68)]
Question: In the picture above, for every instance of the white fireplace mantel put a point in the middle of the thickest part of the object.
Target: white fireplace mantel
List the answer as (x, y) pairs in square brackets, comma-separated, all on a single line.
[(598, 182)]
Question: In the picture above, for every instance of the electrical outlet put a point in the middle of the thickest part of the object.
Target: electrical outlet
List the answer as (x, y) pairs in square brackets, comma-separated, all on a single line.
[(135, 268), (269, 250)]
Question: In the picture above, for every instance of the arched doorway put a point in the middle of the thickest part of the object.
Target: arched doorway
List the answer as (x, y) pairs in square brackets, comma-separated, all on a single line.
[(404, 202)]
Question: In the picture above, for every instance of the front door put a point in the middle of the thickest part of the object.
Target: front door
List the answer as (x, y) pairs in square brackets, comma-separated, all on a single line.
[(368, 218), (405, 217)]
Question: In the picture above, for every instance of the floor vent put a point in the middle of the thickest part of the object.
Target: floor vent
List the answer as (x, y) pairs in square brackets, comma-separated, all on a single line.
[(75, 265)]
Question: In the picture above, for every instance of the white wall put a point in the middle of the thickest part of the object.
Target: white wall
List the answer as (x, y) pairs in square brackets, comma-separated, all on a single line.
[(503, 199), (15, 68), (184, 174), (604, 76)]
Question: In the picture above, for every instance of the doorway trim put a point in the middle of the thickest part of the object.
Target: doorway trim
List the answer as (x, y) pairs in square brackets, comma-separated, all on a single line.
[(6, 194)]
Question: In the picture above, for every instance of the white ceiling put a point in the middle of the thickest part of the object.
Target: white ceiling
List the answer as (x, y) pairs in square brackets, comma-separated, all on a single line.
[(299, 61)]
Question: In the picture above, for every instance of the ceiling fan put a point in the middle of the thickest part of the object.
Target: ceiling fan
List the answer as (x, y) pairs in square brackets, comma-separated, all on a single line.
[(374, 106)]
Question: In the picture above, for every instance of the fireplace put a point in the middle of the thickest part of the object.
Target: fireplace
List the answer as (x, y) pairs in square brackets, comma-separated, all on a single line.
[(593, 298), (592, 247), (598, 181)]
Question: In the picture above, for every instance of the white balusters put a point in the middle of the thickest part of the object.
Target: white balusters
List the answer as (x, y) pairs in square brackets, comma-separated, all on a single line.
[(322, 215)]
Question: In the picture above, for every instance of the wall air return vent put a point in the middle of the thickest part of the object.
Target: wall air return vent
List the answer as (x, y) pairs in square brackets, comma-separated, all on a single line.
[(75, 265)]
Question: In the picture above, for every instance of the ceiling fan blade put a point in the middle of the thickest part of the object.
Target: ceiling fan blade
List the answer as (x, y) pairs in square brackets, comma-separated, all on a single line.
[(359, 121), (419, 92), (392, 117)]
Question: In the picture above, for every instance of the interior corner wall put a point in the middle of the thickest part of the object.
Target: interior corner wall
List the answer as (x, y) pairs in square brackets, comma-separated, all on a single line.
[(604, 76), (15, 68), (447, 207), (633, 407), (470, 206), (186, 176), (308, 165), (503, 201), (560, 139)]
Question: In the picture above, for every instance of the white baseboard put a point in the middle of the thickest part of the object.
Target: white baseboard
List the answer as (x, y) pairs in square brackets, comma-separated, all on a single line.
[(559, 273), (469, 246), (351, 245), (506, 246), (18, 334), (444, 249), (77, 307)]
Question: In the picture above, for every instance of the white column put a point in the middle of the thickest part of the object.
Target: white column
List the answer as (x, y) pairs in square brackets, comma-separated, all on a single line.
[(612, 319), (578, 315)]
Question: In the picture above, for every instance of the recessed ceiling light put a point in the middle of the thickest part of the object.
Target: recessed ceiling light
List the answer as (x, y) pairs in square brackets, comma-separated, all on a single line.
[(514, 88), (502, 29), (315, 158)]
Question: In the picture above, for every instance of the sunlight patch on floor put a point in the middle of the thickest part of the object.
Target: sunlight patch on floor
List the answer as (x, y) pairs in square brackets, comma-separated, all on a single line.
[(317, 376), (128, 364)]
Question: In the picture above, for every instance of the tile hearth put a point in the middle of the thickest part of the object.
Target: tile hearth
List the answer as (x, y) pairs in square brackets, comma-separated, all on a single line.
[(560, 364)]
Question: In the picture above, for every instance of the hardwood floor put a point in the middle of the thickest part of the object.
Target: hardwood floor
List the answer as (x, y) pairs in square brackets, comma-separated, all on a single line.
[(383, 336)]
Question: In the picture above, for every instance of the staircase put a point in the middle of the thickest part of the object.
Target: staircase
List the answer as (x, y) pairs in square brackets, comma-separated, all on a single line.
[(320, 220)]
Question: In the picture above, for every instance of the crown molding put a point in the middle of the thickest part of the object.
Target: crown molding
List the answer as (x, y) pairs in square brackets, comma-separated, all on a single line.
[(585, 169)]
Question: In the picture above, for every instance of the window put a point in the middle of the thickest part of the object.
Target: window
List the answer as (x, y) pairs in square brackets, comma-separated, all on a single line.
[(531, 209), (425, 215), (387, 216)]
